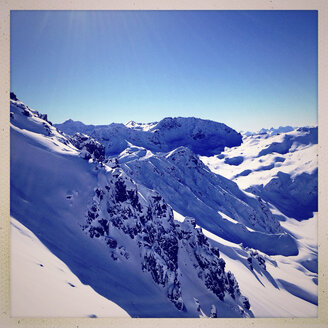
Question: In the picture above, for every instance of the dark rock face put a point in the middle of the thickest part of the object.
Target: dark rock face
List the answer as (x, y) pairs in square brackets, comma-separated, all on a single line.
[(245, 301), (203, 137), (117, 206), (89, 147), (13, 96), (26, 113), (210, 267)]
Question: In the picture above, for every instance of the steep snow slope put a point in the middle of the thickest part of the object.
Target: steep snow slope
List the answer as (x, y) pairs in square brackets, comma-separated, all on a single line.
[(277, 286), (202, 136), (193, 190), (43, 286), (281, 169), (114, 235)]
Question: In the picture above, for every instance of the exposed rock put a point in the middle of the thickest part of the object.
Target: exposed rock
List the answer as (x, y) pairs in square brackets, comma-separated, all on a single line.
[(13, 96), (89, 147), (117, 206)]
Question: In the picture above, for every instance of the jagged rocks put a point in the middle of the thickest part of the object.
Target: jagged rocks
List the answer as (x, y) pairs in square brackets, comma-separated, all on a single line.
[(245, 302), (142, 215), (89, 147), (253, 257), (213, 312), (111, 242), (13, 96), (116, 205), (210, 267)]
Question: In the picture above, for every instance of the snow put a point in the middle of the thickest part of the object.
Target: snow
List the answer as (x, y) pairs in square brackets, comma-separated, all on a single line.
[(43, 286), (272, 297), (193, 190), (302, 158), (178, 216), (140, 126), (280, 168), (202, 136), (51, 192), (235, 200), (226, 217)]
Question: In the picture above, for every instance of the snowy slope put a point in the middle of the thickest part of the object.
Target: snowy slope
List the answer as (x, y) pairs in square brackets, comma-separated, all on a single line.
[(43, 286), (193, 190), (282, 169), (283, 286)]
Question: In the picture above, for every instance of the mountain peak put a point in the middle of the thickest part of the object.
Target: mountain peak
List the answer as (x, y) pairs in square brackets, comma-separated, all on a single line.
[(68, 121)]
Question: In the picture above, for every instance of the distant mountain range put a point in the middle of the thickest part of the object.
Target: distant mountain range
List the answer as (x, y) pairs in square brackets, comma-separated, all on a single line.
[(203, 137), (271, 131)]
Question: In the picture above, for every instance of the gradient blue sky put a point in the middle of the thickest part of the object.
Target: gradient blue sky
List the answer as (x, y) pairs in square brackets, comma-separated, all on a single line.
[(248, 69)]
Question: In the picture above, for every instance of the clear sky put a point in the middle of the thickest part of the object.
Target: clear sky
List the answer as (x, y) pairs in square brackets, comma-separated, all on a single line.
[(247, 69)]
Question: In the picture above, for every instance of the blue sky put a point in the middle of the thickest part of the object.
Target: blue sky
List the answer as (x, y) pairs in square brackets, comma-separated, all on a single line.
[(247, 69)]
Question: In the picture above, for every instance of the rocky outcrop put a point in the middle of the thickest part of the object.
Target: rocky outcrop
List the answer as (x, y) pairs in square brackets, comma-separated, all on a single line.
[(89, 147), (13, 96), (143, 216)]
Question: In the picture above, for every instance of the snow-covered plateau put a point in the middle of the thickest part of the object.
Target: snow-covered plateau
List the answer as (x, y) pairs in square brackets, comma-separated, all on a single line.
[(179, 218)]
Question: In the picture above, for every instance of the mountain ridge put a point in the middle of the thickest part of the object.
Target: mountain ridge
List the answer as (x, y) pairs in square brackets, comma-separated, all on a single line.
[(202, 136)]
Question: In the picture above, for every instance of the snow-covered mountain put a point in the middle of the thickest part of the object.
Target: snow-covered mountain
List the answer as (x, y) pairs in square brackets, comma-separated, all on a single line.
[(204, 137), (193, 190), (151, 228), (281, 169), (271, 131)]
